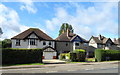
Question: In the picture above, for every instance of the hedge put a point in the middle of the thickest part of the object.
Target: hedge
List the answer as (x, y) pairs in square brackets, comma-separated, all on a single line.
[(64, 55), (104, 55), (78, 55), (21, 56)]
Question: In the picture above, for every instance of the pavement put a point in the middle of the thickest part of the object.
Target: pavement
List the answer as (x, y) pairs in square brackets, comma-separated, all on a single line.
[(52, 63)]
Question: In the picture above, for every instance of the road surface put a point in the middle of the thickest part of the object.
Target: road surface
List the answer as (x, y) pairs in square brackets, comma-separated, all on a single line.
[(69, 68)]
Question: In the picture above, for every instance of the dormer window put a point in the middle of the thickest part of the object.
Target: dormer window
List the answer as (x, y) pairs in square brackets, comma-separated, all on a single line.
[(17, 42)]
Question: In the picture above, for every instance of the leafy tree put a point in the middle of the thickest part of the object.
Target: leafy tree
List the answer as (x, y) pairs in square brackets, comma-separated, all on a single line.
[(6, 43), (64, 28)]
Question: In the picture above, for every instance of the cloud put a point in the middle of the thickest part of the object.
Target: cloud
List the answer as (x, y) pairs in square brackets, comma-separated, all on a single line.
[(29, 6), (99, 18), (9, 22)]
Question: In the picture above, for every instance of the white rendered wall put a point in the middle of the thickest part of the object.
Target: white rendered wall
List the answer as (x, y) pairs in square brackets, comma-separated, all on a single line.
[(92, 43)]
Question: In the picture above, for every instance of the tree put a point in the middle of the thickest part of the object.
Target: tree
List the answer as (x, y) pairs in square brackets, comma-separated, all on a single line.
[(6, 43), (64, 28)]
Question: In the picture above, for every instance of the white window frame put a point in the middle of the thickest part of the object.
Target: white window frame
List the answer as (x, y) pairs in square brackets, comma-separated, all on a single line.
[(32, 42), (77, 45), (17, 42)]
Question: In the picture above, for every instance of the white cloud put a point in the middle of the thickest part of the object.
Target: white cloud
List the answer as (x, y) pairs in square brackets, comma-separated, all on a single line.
[(29, 6), (9, 22), (93, 20)]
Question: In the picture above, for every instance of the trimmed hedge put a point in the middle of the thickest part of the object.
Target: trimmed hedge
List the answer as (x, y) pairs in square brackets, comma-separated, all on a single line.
[(104, 55), (21, 56), (64, 55), (78, 55)]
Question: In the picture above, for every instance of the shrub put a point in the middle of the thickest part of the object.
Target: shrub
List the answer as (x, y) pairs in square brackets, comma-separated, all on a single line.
[(64, 55), (21, 56), (103, 55), (78, 55)]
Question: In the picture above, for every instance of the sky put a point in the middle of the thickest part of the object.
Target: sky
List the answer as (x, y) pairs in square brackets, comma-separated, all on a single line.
[(87, 18)]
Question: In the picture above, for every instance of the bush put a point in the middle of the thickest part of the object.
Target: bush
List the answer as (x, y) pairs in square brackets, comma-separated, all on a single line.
[(64, 55), (103, 55), (21, 56), (78, 55)]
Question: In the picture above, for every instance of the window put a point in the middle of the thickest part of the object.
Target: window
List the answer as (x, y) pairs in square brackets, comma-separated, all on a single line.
[(32, 42), (17, 42), (108, 45), (49, 43), (99, 45), (66, 44), (85, 44), (77, 44), (44, 43)]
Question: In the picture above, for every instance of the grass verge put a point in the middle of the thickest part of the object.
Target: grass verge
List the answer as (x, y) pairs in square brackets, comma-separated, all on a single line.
[(23, 64)]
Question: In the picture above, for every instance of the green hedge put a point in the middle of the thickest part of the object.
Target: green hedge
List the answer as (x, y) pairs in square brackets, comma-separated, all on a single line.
[(104, 55), (64, 55), (21, 56), (78, 55)]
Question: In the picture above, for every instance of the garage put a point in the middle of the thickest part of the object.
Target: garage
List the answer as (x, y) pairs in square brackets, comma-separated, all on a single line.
[(49, 53)]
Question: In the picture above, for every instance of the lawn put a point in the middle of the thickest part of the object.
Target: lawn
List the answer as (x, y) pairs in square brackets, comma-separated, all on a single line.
[(23, 64)]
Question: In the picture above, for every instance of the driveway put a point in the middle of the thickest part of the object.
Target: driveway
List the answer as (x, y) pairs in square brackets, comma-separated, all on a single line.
[(54, 61)]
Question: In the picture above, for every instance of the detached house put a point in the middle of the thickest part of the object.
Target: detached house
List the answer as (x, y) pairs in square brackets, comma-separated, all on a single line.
[(117, 42), (35, 38), (101, 42), (68, 41)]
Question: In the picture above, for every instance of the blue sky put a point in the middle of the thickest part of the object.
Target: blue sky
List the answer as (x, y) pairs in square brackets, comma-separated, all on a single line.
[(87, 18)]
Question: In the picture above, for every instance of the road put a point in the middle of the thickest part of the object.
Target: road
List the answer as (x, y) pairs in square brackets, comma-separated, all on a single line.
[(69, 68)]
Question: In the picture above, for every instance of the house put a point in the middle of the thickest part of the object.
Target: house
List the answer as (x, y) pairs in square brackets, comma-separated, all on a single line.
[(35, 38), (68, 41), (117, 42), (101, 42)]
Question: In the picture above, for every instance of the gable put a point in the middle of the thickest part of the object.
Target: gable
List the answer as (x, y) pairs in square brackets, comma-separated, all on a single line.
[(109, 41), (40, 34), (77, 39), (92, 41), (32, 36)]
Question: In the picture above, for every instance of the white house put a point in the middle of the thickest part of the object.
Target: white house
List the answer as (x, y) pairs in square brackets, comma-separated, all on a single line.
[(101, 42), (35, 38)]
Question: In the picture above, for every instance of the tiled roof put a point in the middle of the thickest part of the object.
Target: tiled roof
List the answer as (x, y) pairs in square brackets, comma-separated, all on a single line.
[(97, 40), (37, 31), (68, 37), (64, 37), (101, 40), (117, 41)]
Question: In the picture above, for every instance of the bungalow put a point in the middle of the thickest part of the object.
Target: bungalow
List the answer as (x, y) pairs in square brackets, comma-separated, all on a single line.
[(35, 38), (68, 41)]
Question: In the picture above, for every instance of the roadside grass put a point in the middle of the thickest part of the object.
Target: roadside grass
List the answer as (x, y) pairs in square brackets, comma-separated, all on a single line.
[(90, 59), (23, 64), (76, 62)]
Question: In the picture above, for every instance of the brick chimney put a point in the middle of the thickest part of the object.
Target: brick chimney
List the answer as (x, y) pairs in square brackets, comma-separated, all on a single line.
[(100, 37)]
